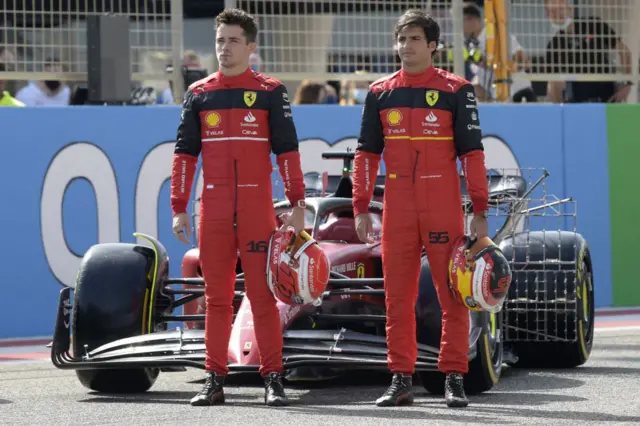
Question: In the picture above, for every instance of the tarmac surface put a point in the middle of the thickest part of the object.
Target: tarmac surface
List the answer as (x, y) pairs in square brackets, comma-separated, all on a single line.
[(605, 389)]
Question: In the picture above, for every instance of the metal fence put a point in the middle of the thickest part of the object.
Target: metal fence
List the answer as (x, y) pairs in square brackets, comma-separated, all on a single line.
[(48, 39), (330, 40), (308, 39)]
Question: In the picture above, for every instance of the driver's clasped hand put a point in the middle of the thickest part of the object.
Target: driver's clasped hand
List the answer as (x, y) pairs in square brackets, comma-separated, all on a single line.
[(479, 227), (364, 228), (295, 220), (181, 228)]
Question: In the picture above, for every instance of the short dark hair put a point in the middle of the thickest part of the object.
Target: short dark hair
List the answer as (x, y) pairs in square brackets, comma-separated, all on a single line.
[(418, 18), (472, 10), (242, 19)]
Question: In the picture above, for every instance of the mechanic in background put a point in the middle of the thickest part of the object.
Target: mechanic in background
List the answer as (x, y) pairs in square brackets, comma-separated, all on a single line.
[(483, 79), (235, 118), (422, 118)]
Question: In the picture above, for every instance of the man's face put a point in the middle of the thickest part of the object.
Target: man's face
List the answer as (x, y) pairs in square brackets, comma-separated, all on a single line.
[(232, 48), (53, 67), (413, 47), (557, 10), (191, 62), (471, 26)]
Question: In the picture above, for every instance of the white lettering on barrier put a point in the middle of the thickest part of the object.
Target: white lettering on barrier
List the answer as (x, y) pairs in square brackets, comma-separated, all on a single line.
[(87, 161), (78, 160), (499, 158), (154, 172)]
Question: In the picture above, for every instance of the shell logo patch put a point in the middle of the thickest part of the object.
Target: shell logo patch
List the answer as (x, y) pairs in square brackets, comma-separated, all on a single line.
[(212, 119), (394, 117)]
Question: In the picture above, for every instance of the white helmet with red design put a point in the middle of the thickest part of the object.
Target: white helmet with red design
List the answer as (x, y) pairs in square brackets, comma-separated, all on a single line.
[(479, 274), (297, 269)]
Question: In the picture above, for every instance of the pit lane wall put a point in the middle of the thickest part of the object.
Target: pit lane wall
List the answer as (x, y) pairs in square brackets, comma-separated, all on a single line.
[(72, 177)]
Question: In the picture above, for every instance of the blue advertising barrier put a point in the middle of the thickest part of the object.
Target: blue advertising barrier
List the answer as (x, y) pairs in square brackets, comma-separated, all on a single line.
[(586, 176), (73, 177)]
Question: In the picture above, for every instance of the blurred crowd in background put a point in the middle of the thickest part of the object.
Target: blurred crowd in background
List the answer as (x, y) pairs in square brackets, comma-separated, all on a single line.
[(598, 45)]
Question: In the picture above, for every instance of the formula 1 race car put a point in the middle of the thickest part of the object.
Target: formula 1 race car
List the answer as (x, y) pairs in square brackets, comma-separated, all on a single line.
[(114, 331)]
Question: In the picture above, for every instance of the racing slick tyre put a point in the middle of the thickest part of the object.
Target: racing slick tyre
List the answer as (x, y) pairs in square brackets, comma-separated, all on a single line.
[(485, 368), (568, 311), (112, 301)]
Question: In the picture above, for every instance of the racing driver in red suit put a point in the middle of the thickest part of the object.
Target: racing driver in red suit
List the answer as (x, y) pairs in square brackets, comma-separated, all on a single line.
[(235, 118), (422, 118)]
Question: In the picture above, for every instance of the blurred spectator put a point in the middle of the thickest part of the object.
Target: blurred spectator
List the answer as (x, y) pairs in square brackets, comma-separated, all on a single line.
[(6, 99), (313, 92), (190, 59), (354, 92), (255, 61), (7, 62), (47, 92), (330, 95), (582, 45), (8, 57), (482, 78)]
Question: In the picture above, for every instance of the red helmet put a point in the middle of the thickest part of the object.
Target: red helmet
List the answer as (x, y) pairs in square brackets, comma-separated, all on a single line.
[(479, 274), (297, 268)]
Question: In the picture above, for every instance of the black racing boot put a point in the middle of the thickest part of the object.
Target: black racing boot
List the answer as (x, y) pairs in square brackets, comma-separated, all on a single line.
[(454, 391), (212, 393), (399, 393), (274, 390)]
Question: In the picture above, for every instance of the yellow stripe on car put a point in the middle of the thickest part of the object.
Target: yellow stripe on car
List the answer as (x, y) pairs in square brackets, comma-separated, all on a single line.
[(149, 303), (582, 293)]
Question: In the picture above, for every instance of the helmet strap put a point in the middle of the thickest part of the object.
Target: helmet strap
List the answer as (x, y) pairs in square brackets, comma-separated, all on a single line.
[(303, 248)]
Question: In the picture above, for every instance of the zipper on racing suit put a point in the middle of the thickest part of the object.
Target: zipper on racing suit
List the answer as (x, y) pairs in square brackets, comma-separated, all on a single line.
[(235, 196), (415, 166)]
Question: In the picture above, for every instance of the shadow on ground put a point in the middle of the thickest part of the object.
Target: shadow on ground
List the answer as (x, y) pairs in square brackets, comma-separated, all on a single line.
[(525, 380), (363, 388), (151, 397)]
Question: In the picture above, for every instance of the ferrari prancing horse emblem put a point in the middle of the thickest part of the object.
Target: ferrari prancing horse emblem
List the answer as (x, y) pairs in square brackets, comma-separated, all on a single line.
[(432, 97), (250, 98)]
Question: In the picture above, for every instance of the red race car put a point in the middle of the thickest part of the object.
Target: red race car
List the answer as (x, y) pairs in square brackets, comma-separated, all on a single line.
[(114, 332)]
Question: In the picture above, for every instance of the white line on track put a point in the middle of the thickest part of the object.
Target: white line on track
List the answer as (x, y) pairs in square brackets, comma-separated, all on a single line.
[(621, 328)]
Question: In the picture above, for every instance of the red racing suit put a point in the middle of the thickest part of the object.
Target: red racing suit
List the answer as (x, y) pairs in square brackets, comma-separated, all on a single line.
[(235, 123), (422, 122)]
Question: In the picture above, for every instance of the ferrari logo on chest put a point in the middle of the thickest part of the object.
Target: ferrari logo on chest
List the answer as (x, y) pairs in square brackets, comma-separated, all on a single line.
[(432, 97), (250, 98)]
